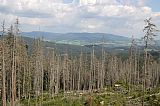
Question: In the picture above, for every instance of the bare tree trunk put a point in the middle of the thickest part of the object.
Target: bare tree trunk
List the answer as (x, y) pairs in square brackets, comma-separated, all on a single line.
[(138, 68), (102, 73), (65, 72), (57, 75), (80, 70), (98, 76), (3, 69), (4, 79), (38, 67), (52, 72), (13, 70), (144, 75)]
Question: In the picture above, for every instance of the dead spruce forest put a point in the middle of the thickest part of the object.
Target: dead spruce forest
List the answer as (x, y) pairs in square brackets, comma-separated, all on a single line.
[(41, 76)]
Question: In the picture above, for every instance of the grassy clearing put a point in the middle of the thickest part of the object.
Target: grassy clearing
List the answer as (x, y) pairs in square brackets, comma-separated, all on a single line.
[(110, 97)]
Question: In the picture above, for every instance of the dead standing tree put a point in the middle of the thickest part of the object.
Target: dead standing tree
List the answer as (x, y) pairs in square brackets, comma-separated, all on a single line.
[(38, 68), (149, 30), (3, 67), (132, 64)]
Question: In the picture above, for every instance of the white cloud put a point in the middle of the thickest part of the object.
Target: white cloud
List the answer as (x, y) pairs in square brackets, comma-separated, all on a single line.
[(90, 25), (123, 17), (142, 2), (93, 2)]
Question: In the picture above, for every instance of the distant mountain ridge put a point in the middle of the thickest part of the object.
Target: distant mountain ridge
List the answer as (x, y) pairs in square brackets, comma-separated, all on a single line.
[(77, 38)]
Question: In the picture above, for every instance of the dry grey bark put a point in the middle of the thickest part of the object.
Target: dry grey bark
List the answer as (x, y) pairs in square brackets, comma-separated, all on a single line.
[(149, 30), (3, 66)]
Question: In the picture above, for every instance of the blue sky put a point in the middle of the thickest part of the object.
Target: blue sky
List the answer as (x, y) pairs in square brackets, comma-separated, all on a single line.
[(121, 17), (154, 4)]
